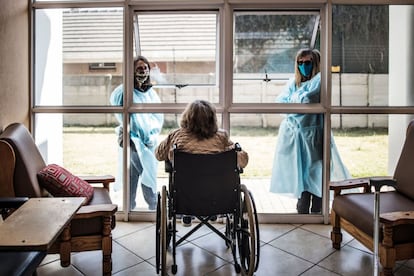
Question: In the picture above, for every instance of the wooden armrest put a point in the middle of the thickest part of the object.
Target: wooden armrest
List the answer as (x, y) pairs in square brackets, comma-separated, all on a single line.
[(104, 179), (397, 218), (378, 182), (338, 186), (97, 210)]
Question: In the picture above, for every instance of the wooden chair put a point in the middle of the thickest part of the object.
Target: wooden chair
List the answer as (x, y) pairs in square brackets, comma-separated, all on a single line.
[(90, 229), (354, 212)]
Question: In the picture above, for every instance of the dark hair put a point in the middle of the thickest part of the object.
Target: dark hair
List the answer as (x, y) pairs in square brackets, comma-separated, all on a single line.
[(199, 118), (147, 83), (316, 60)]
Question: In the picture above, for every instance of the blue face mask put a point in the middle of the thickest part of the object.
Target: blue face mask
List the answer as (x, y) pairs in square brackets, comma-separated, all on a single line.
[(305, 69)]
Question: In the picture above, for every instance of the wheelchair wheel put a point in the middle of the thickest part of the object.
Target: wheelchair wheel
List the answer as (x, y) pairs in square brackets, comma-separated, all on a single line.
[(228, 230), (247, 235), (161, 233), (231, 239), (158, 234), (257, 232)]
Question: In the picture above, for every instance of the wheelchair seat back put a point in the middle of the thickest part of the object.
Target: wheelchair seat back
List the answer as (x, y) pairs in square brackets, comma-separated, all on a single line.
[(205, 184)]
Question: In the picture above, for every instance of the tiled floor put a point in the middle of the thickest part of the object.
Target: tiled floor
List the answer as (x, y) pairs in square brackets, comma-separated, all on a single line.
[(286, 250)]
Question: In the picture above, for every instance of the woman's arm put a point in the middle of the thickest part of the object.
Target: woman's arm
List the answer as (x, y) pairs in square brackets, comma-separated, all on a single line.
[(161, 151), (242, 156), (164, 147), (117, 99)]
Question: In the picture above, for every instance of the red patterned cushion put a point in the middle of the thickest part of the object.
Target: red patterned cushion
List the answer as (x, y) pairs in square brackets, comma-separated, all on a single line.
[(59, 182)]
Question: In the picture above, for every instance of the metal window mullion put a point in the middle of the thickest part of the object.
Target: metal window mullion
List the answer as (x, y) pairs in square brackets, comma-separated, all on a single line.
[(226, 63), (326, 93), (127, 82)]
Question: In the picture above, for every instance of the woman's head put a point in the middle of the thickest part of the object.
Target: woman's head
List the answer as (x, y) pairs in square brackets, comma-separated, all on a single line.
[(199, 118), (307, 65), (142, 70)]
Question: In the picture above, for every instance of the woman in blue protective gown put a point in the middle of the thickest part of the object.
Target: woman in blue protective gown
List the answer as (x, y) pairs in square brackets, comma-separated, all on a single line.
[(145, 128), (297, 165)]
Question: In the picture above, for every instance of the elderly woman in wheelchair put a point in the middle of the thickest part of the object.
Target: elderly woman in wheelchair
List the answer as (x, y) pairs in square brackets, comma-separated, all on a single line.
[(204, 181), (200, 134)]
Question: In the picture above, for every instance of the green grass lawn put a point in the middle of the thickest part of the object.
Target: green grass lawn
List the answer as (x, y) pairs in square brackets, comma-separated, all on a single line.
[(93, 150)]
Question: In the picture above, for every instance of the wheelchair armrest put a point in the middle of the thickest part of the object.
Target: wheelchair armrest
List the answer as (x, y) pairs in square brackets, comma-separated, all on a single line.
[(339, 186), (237, 146), (378, 182)]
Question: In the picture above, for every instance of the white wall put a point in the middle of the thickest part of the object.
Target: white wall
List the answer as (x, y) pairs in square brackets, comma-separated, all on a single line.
[(401, 72)]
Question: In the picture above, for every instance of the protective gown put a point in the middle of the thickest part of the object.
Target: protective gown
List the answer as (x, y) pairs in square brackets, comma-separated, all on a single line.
[(297, 165), (145, 128)]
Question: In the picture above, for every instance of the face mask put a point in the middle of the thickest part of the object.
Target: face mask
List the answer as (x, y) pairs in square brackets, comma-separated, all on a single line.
[(141, 74), (305, 69), (141, 77), (139, 82)]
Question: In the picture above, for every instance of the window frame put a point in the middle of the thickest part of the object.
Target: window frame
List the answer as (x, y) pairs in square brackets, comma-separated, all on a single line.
[(225, 107)]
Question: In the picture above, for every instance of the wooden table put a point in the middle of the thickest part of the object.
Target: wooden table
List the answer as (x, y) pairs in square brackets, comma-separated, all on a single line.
[(38, 223)]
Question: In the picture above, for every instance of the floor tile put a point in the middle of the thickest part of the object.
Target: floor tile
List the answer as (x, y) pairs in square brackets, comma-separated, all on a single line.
[(349, 261), (409, 263), (269, 232), (319, 271), (124, 228), (404, 271), (192, 260), (143, 268), (320, 229), (305, 244), (54, 269), (140, 242), (286, 249), (123, 258), (225, 270), (274, 261), (215, 245)]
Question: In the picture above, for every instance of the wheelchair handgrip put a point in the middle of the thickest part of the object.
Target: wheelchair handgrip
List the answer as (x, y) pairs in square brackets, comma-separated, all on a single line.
[(237, 146)]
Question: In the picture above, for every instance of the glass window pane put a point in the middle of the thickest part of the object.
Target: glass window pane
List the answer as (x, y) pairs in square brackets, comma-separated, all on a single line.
[(182, 48), (360, 55), (360, 38), (265, 45), (370, 144), (371, 56), (78, 55), (362, 140), (84, 144), (258, 135)]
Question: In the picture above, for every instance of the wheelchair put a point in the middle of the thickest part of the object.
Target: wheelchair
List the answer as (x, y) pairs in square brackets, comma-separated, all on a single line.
[(205, 186)]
